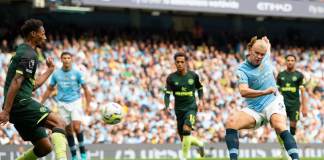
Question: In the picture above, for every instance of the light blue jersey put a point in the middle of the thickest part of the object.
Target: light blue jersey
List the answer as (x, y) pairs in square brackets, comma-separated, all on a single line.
[(68, 84), (258, 78)]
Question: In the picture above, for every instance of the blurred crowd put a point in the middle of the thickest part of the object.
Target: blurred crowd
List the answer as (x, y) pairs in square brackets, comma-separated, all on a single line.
[(132, 73)]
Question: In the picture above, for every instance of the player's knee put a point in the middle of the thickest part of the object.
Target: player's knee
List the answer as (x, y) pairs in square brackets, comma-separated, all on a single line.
[(48, 149), (186, 129), (293, 123), (77, 127), (278, 127), (43, 150), (69, 130), (230, 123), (278, 123)]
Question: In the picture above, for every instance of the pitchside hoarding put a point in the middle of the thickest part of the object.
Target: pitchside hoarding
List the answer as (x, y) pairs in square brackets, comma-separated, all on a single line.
[(149, 151), (283, 8)]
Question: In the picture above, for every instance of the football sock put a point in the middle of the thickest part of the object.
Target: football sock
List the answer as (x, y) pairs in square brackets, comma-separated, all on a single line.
[(195, 141), (186, 145), (80, 139), (72, 146), (28, 155), (232, 143), (290, 144), (59, 142)]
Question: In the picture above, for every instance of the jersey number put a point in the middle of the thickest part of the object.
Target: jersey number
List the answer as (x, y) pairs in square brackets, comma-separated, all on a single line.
[(192, 119)]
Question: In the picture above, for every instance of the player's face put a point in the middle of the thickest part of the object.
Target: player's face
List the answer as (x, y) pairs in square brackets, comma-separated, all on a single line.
[(290, 62), (257, 53), (67, 61), (180, 63), (39, 36)]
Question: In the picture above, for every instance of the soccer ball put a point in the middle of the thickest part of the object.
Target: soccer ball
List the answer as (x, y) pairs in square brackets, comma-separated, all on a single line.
[(112, 113)]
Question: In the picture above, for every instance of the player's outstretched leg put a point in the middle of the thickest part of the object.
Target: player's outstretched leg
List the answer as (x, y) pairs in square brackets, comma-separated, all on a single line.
[(57, 125), (290, 144), (41, 148), (232, 143), (29, 154), (278, 122), (235, 122)]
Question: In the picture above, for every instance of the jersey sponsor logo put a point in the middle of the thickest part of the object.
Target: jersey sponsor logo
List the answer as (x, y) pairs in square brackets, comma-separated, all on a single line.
[(190, 81), (179, 93), (289, 89)]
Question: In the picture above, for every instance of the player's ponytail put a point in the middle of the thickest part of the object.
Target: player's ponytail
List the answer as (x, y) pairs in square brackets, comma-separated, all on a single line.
[(251, 43)]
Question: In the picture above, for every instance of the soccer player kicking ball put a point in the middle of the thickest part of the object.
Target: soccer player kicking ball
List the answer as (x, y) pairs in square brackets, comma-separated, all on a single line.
[(30, 117), (258, 85), (183, 85), (69, 81)]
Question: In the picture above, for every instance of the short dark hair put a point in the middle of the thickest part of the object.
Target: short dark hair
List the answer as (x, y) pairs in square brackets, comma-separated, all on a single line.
[(291, 55), (66, 53), (180, 54), (29, 26)]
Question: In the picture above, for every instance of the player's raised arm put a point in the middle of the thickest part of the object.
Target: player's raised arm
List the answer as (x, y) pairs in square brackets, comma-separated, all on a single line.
[(265, 38), (42, 79)]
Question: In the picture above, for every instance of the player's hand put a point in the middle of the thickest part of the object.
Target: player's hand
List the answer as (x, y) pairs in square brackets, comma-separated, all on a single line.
[(168, 110), (265, 38), (270, 90), (50, 63), (304, 110), (4, 117)]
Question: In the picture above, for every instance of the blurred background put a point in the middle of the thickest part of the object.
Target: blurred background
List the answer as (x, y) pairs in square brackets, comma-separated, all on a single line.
[(125, 49)]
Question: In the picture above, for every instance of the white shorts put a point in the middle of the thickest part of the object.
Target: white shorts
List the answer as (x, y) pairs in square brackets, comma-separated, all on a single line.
[(71, 111), (261, 118)]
